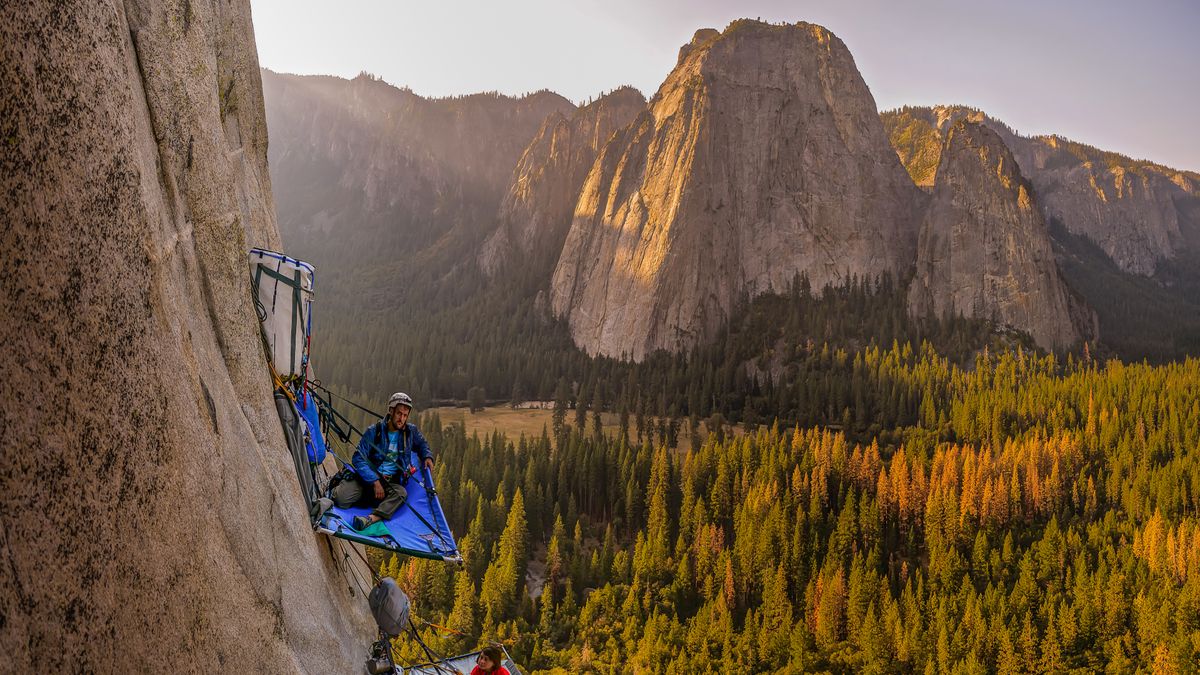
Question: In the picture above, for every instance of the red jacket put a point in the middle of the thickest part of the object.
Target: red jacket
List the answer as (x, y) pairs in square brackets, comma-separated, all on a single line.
[(500, 670)]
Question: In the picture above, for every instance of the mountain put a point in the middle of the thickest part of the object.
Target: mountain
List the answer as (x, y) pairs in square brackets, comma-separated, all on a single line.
[(536, 211), (760, 158), (150, 512), (984, 249), (369, 172), (630, 227), (1138, 212), (1124, 232)]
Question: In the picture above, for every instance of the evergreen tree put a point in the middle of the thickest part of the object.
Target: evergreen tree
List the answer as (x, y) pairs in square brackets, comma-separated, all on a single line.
[(505, 576)]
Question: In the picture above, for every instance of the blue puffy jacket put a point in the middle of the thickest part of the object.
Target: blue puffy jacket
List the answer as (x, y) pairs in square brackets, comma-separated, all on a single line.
[(372, 449)]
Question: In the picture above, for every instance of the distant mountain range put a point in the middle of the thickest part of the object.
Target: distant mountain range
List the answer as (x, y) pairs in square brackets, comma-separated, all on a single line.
[(761, 159)]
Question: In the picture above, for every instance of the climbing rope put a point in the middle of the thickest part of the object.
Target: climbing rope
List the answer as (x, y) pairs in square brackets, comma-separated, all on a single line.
[(435, 626), (434, 658)]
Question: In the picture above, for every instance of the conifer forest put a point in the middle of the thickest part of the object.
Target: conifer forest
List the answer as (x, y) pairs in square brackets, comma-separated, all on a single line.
[(904, 498)]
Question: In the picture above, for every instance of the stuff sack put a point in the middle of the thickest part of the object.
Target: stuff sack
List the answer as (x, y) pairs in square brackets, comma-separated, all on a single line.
[(390, 606)]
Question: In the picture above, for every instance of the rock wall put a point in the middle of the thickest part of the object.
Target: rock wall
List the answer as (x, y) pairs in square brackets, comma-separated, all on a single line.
[(1138, 212), (536, 212), (762, 156), (149, 512), (984, 250)]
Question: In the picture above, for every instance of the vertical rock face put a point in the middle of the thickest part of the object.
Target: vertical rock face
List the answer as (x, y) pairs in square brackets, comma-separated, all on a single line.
[(536, 212), (984, 250), (1138, 212), (761, 157), (148, 508)]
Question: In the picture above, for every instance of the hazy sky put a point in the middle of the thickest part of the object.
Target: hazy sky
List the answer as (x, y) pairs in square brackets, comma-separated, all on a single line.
[(1124, 76)]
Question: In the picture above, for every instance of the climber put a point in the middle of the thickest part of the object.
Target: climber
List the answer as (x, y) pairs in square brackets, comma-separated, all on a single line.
[(382, 464), (489, 663)]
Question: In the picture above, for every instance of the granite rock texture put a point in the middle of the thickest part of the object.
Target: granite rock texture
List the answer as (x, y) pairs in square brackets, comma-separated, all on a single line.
[(984, 249), (1138, 212), (149, 511), (761, 157), (536, 212)]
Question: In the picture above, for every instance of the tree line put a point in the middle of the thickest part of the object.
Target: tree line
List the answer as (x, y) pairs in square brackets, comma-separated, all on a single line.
[(1029, 514)]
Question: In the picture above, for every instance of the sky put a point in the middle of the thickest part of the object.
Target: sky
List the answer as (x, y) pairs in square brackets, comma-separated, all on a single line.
[(1122, 76)]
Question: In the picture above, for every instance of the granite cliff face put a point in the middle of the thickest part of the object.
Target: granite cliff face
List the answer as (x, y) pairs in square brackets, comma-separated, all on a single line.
[(984, 249), (536, 211), (1138, 212), (148, 508), (367, 169), (761, 157)]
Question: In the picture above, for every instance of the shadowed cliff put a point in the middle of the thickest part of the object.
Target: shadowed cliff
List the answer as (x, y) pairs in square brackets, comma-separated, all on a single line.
[(1140, 213), (984, 250)]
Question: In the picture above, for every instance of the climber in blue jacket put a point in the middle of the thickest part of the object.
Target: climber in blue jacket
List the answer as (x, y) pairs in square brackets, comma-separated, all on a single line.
[(382, 464)]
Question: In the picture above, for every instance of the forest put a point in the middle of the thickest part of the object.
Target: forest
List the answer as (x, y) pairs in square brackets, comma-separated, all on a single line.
[(1019, 513), (900, 495), (801, 357)]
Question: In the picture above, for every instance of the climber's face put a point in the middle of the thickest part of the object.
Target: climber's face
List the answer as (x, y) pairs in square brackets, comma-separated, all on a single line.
[(484, 663), (400, 416)]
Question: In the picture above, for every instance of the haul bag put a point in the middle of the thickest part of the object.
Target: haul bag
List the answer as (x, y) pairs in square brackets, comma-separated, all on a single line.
[(283, 291)]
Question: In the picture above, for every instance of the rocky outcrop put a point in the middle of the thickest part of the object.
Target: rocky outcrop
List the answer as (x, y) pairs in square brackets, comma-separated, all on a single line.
[(536, 212), (366, 169), (1138, 212), (984, 250), (149, 511), (761, 157)]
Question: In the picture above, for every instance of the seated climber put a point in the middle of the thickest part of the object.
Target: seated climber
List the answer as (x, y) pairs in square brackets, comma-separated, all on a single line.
[(382, 464)]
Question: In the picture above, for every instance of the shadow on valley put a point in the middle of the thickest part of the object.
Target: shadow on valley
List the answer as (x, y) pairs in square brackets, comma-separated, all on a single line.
[(1155, 318)]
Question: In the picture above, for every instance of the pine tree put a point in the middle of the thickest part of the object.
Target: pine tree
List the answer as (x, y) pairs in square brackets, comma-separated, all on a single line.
[(562, 393), (464, 616), (505, 576)]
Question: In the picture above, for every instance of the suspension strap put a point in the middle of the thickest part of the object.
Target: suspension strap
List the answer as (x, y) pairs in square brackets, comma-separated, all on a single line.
[(434, 659), (443, 629), (313, 383)]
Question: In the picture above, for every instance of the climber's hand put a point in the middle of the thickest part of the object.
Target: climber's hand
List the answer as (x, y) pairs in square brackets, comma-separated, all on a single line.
[(378, 490)]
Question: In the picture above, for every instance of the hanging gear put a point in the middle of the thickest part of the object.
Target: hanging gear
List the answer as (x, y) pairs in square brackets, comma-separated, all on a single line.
[(380, 662), (390, 607)]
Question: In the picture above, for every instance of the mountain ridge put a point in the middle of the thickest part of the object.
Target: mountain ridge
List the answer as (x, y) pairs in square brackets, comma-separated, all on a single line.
[(537, 208), (511, 231), (1137, 211)]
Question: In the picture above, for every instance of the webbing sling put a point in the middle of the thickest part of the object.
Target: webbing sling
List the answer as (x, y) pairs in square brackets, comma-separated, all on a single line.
[(331, 395)]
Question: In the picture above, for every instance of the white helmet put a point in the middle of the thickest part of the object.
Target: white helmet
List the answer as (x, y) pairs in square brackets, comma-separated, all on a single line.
[(399, 398)]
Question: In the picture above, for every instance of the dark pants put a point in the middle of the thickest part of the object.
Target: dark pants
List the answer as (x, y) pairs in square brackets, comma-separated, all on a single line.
[(354, 492)]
